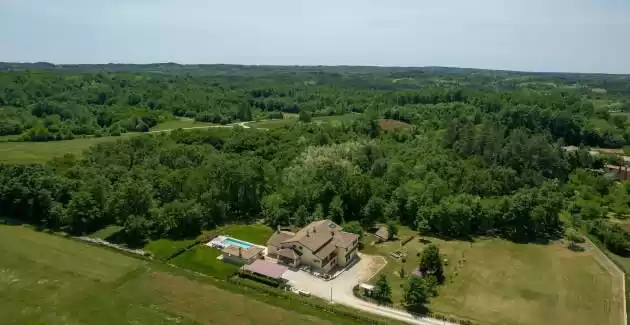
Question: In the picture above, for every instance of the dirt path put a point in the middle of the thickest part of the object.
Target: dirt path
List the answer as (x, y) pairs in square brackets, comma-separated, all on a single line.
[(241, 124), (615, 272)]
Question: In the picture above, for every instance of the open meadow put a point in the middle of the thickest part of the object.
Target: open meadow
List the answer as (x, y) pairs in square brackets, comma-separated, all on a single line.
[(494, 281), (45, 279)]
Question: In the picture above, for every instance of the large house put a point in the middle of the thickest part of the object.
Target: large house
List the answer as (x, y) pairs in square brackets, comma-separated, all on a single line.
[(322, 245)]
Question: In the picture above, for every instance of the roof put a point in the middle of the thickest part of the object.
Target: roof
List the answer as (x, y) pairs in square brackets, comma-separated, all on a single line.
[(345, 239), (321, 237), (315, 234), (382, 233), (278, 237), (288, 253), (247, 253), (325, 250), (366, 286), (266, 268)]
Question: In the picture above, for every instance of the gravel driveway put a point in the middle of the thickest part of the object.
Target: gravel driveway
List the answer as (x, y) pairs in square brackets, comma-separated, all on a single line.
[(340, 289)]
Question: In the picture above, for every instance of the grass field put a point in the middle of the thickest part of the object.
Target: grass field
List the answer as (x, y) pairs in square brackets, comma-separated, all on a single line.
[(203, 259), (41, 152), (179, 123), (291, 119), (51, 280), (494, 281)]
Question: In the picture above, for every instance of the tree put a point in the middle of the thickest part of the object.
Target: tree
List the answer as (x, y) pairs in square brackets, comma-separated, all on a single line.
[(382, 290), (373, 211), (416, 294), (353, 227), (392, 230), (305, 116), (431, 264)]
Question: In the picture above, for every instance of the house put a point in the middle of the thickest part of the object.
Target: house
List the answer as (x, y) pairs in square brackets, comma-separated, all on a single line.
[(321, 245), (619, 172), (382, 234), (238, 255)]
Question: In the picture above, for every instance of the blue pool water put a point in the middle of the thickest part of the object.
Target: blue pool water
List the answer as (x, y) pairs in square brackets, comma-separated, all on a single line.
[(235, 242)]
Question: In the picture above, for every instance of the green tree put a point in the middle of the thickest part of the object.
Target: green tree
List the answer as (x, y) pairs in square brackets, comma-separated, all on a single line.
[(416, 294), (305, 116), (382, 290), (431, 263), (353, 227), (392, 230)]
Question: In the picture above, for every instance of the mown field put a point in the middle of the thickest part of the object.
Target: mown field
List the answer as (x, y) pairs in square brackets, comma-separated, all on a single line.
[(46, 279), (41, 152), (494, 281)]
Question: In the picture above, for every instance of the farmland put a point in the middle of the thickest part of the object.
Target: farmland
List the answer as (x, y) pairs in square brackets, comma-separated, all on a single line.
[(46, 279), (493, 281)]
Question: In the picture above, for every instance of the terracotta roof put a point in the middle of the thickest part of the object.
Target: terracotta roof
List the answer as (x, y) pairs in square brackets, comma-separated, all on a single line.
[(288, 253), (278, 237), (382, 233), (246, 254), (315, 235)]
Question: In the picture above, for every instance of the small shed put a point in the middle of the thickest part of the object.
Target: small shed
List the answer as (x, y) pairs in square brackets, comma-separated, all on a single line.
[(382, 234), (240, 256)]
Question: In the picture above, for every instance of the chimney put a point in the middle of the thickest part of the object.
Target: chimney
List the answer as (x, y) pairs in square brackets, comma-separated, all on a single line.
[(332, 233), (240, 252)]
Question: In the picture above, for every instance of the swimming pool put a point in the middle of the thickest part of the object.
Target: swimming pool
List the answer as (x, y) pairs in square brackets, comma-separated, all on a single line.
[(228, 241)]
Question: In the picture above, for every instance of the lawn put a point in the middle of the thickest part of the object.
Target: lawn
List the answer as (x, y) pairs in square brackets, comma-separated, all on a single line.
[(493, 281), (255, 233), (41, 152), (106, 232), (203, 259), (46, 279), (179, 124), (163, 249)]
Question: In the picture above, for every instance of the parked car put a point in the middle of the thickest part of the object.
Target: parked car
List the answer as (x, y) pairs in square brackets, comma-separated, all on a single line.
[(304, 293)]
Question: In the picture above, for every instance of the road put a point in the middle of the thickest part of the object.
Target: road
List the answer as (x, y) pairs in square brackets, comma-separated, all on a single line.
[(241, 124), (339, 290)]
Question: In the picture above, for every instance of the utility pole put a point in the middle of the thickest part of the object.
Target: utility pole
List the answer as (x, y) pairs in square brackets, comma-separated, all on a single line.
[(331, 293)]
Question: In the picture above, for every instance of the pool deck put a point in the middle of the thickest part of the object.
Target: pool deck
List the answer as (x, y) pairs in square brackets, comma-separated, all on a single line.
[(218, 243)]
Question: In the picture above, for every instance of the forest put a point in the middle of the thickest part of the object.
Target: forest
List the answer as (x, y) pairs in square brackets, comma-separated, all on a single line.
[(481, 154)]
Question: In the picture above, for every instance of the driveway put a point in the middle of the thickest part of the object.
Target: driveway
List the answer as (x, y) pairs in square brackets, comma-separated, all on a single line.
[(339, 290)]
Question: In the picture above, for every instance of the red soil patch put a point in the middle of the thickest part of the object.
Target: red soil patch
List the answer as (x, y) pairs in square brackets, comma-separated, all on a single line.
[(389, 125)]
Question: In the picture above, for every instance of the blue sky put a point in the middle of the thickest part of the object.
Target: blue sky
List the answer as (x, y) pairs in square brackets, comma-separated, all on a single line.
[(532, 35)]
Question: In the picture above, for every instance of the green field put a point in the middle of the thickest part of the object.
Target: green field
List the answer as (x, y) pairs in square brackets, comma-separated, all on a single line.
[(292, 119), (41, 152), (179, 123), (203, 259), (46, 279), (494, 281)]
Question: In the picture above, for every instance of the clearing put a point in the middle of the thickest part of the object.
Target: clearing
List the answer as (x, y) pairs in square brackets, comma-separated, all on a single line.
[(494, 281), (46, 279)]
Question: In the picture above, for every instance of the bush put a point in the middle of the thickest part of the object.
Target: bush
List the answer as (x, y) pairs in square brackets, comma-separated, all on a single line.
[(574, 236)]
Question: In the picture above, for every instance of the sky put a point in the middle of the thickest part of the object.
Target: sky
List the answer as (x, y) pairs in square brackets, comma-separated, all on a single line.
[(529, 35)]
